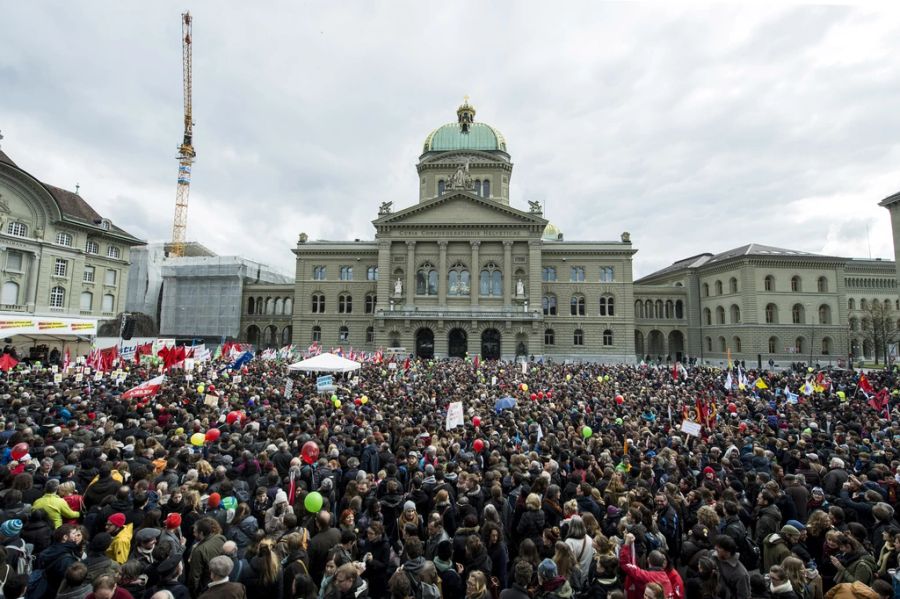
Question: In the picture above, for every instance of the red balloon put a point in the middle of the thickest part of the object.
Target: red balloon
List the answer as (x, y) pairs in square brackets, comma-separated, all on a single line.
[(234, 417), (213, 434), (19, 451), (732, 408), (540, 395), (357, 401), (549, 394), (478, 445), (476, 421), (534, 397), (309, 452), (620, 400)]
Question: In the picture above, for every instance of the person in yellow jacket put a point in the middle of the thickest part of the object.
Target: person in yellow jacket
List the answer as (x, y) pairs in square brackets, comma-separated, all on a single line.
[(55, 506), (121, 534)]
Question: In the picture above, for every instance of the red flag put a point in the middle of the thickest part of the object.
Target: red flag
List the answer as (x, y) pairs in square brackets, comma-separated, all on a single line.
[(406, 364), (865, 386), (67, 360), (7, 362), (702, 413), (675, 371), (476, 362), (880, 401), (145, 389), (108, 358)]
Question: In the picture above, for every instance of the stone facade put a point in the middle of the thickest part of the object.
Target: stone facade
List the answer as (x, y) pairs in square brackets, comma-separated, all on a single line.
[(59, 256)]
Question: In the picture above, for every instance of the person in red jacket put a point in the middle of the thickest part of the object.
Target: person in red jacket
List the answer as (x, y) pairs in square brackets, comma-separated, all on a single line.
[(637, 578)]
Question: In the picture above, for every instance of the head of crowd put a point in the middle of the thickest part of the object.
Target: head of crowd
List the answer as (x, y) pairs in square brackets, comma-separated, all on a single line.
[(558, 481)]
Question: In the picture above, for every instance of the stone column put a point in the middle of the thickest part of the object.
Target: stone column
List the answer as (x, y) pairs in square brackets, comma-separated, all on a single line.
[(507, 273), (410, 272), (442, 273), (475, 269), (385, 286), (33, 276), (534, 275)]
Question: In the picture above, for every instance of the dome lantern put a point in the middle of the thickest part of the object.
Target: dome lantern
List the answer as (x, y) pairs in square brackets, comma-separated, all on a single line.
[(466, 115)]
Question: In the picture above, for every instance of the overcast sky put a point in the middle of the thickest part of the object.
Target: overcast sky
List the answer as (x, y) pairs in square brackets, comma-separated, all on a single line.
[(694, 129)]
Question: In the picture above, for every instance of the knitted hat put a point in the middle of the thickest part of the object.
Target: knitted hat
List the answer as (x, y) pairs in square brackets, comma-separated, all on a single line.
[(787, 529), (445, 550), (229, 503), (214, 500), (797, 524), (281, 496), (117, 519), (547, 569), (11, 528), (100, 543), (409, 505), (173, 521), (708, 470)]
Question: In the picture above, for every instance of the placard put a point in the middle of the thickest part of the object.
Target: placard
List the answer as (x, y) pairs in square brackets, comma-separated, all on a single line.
[(57, 378), (236, 378), (690, 427), (288, 387), (211, 400), (79, 377), (454, 415)]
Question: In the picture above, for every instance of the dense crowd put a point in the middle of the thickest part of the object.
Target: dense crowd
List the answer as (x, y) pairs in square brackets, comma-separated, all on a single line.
[(583, 485)]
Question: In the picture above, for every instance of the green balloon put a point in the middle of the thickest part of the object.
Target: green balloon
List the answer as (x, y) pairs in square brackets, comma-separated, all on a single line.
[(334, 398), (586, 432), (313, 502)]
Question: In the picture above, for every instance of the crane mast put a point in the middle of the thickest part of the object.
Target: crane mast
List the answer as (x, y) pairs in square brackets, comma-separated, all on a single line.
[(186, 151)]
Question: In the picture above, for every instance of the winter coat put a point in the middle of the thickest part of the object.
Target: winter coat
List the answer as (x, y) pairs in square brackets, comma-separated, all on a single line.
[(38, 533), (121, 544), (768, 520), (54, 561), (515, 592), (531, 526), (775, 549), (859, 567), (56, 507), (636, 579), (734, 581), (256, 587), (242, 533), (854, 590), (227, 590), (198, 569), (783, 591), (558, 588)]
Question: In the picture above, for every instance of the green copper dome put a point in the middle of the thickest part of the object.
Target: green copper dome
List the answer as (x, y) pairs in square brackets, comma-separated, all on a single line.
[(452, 137), (465, 134)]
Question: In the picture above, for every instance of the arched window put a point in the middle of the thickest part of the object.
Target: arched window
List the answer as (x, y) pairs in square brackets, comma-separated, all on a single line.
[(718, 287), (720, 315), (796, 284), (318, 273), (286, 334), (458, 281), (769, 283), (10, 293), (648, 309), (372, 273), (578, 337), (549, 274), (670, 309), (486, 188), (854, 324), (288, 306), (679, 309), (64, 239), (370, 334), (773, 345), (442, 186), (607, 305), (824, 314), (478, 187), (638, 309), (851, 304), (549, 337), (491, 280), (371, 300), (318, 303), (705, 289), (607, 337), (863, 304), (549, 304), (250, 305), (576, 274), (17, 229), (826, 346), (709, 344), (737, 344), (259, 305), (887, 304), (343, 334), (822, 285), (426, 280), (732, 285), (109, 303), (317, 334), (113, 252), (723, 347), (771, 314), (57, 297), (270, 306), (799, 343), (797, 314), (707, 316), (735, 314), (576, 305), (87, 301), (345, 303), (279, 305)]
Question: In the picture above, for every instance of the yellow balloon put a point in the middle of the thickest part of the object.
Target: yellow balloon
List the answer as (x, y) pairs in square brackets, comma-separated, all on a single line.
[(337, 404), (200, 388), (568, 377), (197, 439), (179, 431), (599, 378), (524, 387), (364, 400)]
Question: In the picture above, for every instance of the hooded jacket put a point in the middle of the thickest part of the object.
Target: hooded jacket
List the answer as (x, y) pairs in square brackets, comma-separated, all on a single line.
[(636, 579), (768, 521), (558, 587), (858, 567), (775, 549), (734, 581), (121, 544)]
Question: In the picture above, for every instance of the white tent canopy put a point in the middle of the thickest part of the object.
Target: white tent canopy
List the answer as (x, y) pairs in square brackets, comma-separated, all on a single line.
[(325, 363)]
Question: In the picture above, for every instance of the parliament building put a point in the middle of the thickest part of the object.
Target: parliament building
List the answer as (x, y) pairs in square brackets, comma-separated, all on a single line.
[(465, 271)]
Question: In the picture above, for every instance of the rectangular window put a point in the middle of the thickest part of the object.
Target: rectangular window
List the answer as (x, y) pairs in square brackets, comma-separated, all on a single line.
[(111, 277), (60, 267), (109, 302), (318, 273), (17, 229), (577, 274), (88, 274), (92, 247), (14, 261), (607, 274), (372, 273), (87, 301), (346, 273), (549, 274), (57, 297), (64, 239), (113, 252)]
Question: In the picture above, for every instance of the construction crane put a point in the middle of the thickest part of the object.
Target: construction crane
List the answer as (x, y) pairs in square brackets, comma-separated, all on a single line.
[(186, 151)]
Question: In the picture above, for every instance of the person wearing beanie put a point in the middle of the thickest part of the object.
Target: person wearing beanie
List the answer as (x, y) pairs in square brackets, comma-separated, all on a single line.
[(274, 521), (410, 518), (121, 533), (172, 535), (550, 583), (56, 507), (11, 529), (777, 546)]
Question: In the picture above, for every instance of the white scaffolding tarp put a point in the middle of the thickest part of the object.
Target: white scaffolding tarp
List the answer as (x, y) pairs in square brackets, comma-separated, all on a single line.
[(325, 363)]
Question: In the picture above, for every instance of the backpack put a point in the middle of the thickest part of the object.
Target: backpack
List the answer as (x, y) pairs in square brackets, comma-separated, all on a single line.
[(24, 558), (38, 587), (748, 552), (421, 590)]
